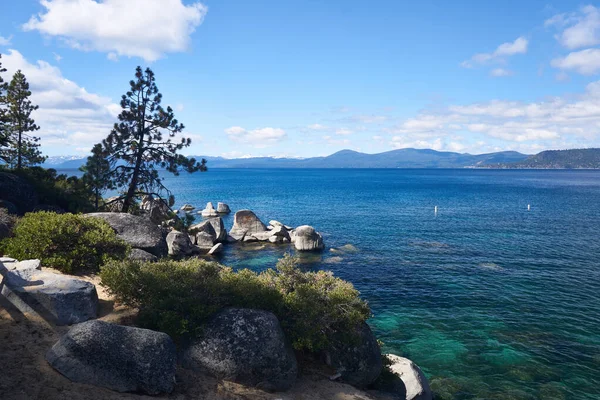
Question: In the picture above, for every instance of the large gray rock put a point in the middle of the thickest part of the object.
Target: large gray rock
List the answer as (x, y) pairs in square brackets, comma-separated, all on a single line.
[(18, 191), (58, 298), (358, 363), (205, 240), (141, 255), (244, 346), (306, 238), (139, 232), (209, 211), (206, 227), (121, 358), (246, 223), (158, 210), (219, 228), (223, 208), (179, 244), (411, 381)]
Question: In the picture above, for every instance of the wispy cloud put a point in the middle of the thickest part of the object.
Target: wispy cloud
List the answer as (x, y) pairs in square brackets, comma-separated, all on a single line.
[(5, 41), (259, 138), (519, 46), (578, 29)]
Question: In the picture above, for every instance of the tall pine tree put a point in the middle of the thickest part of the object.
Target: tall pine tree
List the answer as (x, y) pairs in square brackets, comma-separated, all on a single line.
[(97, 173), (23, 148), (3, 88), (144, 140)]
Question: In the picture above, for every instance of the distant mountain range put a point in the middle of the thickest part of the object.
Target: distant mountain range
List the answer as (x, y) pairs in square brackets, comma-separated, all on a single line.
[(402, 158), (558, 159)]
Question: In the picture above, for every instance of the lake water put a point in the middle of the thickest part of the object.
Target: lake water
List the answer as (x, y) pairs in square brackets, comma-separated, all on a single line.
[(491, 300)]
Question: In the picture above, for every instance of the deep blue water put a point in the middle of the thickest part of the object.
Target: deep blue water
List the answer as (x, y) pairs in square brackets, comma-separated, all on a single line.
[(491, 300)]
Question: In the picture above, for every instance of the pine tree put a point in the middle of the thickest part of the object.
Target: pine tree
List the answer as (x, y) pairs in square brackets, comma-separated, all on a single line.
[(23, 148), (144, 140), (97, 173), (3, 88)]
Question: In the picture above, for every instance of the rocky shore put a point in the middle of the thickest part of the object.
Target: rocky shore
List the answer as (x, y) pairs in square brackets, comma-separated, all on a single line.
[(242, 353)]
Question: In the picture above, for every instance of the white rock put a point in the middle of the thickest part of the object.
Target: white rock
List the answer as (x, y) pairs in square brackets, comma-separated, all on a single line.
[(216, 249), (417, 387), (187, 207), (209, 211), (223, 208), (305, 238)]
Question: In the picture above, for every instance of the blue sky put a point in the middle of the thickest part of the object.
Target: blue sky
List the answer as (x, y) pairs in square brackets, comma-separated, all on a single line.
[(306, 78)]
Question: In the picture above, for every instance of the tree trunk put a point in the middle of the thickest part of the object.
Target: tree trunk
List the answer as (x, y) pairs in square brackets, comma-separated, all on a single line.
[(19, 151)]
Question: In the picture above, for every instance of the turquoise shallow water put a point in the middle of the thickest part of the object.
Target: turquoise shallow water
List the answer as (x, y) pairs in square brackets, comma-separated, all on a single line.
[(492, 301)]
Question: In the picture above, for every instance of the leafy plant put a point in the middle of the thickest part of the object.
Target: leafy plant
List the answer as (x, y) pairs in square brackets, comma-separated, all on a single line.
[(178, 297), (68, 242)]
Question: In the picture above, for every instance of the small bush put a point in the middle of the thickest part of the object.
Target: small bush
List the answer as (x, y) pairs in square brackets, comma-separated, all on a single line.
[(177, 297), (67, 242)]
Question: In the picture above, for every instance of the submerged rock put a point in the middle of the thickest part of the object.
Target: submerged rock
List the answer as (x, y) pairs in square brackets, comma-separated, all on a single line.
[(209, 211), (223, 208), (187, 208), (121, 358), (360, 363), (59, 298), (246, 223), (306, 238), (244, 346), (138, 232)]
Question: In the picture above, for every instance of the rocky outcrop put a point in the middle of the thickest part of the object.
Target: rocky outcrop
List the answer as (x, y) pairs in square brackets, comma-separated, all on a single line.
[(223, 208), (360, 363), (213, 226), (209, 211), (205, 240), (179, 244), (114, 204), (121, 358), (138, 232), (141, 255), (246, 223), (157, 209), (18, 192), (306, 238), (276, 234), (58, 298), (407, 380), (244, 346)]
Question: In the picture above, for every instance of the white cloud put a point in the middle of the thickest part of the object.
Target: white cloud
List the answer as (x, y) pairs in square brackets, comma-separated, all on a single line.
[(585, 62), (579, 29), (336, 142), (317, 127), (343, 131), (558, 122), (134, 28), (258, 138), (57, 57), (519, 46), (500, 72), (70, 117), (5, 41)]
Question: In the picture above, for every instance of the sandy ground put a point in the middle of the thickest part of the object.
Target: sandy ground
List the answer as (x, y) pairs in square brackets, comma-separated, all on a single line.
[(25, 374)]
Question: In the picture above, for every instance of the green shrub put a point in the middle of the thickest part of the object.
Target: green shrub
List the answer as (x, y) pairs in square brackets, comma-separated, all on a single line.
[(67, 242), (177, 297)]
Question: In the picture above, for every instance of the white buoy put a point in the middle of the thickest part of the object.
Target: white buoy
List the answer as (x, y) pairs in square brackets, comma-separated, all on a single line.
[(435, 210), (528, 207)]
